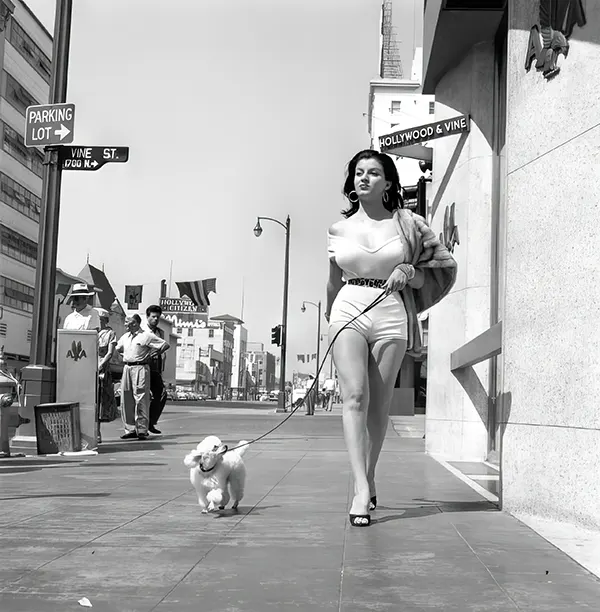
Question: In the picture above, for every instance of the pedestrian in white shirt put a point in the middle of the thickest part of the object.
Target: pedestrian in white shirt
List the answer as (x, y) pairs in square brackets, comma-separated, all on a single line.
[(138, 347), (83, 317)]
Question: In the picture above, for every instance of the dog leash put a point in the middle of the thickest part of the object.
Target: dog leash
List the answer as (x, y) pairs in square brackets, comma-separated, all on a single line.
[(300, 402)]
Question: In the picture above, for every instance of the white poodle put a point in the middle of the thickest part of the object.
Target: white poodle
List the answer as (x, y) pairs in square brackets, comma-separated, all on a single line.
[(217, 474)]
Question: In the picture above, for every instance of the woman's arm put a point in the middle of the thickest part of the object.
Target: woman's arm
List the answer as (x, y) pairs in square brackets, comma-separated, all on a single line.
[(334, 284)]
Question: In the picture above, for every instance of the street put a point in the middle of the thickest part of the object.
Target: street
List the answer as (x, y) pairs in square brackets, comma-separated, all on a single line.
[(123, 529)]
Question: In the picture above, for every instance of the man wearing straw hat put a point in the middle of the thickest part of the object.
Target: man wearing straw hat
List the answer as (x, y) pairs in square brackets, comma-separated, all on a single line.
[(83, 317)]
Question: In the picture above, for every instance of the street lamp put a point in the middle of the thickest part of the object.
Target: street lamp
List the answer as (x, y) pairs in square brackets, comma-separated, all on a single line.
[(318, 307), (286, 278)]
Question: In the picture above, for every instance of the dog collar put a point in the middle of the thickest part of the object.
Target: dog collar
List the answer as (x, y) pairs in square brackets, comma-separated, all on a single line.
[(206, 471)]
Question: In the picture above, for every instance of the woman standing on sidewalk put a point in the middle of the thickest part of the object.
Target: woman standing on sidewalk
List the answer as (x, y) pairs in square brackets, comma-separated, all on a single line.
[(377, 247), (107, 341)]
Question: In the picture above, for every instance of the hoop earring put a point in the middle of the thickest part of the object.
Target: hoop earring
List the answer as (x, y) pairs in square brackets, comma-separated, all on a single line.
[(350, 198), (385, 197)]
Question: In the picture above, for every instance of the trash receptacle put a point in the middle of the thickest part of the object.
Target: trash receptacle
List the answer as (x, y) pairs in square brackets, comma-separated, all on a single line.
[(57, 428)]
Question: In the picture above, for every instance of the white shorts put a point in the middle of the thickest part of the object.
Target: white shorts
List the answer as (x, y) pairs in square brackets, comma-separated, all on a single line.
[(386, 321)]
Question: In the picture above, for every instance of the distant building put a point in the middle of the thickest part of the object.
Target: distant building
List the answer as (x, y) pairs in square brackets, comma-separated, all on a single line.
[(261, 365), (240, 383), (25, 55), (204, 348)]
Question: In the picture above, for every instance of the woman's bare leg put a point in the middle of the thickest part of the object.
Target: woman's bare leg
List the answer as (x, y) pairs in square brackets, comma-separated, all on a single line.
[(384, 364), (351, 355)]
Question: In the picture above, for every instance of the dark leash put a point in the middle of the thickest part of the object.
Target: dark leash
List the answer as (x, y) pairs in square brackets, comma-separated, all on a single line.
[(300, 402)]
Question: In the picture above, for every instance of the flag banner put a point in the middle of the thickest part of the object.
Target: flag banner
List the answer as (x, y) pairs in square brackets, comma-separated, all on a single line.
[(133, 296), (198, 291), (301, 358)]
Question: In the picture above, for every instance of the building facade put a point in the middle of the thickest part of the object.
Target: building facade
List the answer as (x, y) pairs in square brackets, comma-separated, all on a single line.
[(204, 348), (25, 53), (261, 365), (514, 361), (240, 384)]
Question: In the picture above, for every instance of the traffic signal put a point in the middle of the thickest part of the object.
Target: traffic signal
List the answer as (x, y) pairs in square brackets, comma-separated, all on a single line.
[(276, 335)]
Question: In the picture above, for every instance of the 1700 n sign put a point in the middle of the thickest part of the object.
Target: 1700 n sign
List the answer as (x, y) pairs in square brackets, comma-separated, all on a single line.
[(91, 158)]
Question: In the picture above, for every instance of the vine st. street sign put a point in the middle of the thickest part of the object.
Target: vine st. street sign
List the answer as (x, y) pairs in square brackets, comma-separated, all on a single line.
[(49, 124), (91, 158)]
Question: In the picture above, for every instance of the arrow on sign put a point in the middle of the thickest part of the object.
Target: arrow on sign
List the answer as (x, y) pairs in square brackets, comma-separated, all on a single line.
[(63, 132)]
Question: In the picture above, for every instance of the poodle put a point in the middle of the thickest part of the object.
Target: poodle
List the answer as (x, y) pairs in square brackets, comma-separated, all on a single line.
[(218, 474)]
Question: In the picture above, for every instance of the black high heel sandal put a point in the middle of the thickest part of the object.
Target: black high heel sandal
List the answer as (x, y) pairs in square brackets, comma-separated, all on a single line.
[(373, 502), (360, 520)]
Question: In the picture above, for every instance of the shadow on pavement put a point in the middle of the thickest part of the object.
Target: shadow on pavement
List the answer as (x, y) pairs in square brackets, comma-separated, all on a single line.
[(52, 496), (242, 511), (480, 505), (129, 447), (434, 507), (124, 464), (175, 436)]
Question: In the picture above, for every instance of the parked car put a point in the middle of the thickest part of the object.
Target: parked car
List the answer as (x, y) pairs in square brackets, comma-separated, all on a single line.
[(273, 396)]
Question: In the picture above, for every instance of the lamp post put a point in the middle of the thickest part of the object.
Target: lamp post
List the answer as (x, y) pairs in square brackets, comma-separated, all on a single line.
[(318, 307), (39, 377), (286, 278)]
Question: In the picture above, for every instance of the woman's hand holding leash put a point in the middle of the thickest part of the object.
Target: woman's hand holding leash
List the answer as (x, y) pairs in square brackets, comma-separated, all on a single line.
[(402, 274)]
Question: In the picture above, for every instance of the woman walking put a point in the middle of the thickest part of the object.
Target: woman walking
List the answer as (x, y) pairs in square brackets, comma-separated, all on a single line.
[(377, 247)]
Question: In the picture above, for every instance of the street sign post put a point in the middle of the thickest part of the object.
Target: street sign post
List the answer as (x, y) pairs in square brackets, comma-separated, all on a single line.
[(91, 158), (49, 124)]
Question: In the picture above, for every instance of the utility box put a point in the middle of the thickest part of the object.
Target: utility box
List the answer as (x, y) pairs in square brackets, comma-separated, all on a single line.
[(77, 379), (57, 428)]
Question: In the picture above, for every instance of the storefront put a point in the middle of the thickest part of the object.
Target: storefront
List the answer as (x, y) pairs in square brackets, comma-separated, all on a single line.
[(514, 352)]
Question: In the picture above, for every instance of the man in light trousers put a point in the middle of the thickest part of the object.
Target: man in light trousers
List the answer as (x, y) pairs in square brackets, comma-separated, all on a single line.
[(138, 347)]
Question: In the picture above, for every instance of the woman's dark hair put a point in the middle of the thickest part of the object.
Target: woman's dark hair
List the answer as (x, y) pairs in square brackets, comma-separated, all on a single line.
[(153, 308), (390, 173)]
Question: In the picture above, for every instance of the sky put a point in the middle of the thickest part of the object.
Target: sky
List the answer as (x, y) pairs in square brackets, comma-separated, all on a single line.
[(231, 109)]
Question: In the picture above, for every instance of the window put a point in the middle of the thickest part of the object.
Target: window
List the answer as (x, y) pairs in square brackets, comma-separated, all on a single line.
[(190, 331), (19, 198), (395, 108), (211, 333), (431, 108), (24, 44), (16, 295), (178, 330), (17, 246), (14, 145), (15, 94), (3, 330)]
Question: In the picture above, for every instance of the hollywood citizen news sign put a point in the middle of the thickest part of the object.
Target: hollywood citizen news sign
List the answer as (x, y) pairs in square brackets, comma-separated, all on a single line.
[(423, 133), (180, 305)]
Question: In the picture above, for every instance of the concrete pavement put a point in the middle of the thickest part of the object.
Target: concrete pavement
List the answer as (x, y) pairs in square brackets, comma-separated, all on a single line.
[(123, 529)]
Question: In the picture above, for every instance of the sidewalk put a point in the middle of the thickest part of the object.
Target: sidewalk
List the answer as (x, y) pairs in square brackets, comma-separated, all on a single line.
[(123, 529)]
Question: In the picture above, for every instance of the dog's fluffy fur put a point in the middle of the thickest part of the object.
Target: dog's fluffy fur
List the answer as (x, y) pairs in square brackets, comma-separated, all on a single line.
[(218, 475)]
